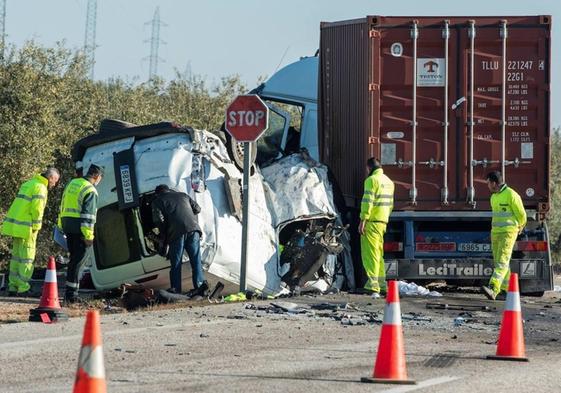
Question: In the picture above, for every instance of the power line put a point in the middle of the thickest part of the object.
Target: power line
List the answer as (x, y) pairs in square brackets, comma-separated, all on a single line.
[(89, 39), (155, 41), (2, 28)]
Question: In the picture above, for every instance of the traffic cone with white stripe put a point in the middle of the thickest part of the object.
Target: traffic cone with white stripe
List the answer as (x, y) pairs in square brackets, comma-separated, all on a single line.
[(49, 309), (511, 336), (90, 377), (390, 360)]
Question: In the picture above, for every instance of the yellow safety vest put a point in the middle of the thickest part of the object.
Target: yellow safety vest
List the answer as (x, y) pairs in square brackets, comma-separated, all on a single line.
[(377, 201), (72, 206), (509, 214), (26, 211)]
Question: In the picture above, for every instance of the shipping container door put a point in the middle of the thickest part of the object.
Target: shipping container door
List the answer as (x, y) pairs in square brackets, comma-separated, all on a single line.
[(505, 82), (417, 70)]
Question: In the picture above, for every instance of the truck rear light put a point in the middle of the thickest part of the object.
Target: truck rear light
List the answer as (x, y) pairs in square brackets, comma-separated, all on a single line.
[(530, 246), (438, 247), (393, 246)]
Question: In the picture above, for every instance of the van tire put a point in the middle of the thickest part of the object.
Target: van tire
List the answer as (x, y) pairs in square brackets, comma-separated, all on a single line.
[(235, 151)]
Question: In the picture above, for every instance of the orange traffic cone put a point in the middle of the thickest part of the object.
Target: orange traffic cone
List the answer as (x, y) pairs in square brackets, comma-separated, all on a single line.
[(49, 308), (390, 360), (90, 377), (511, 336)]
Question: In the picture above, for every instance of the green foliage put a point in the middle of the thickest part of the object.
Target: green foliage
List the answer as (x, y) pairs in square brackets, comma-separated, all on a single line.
[(47, 103), (554, 219)]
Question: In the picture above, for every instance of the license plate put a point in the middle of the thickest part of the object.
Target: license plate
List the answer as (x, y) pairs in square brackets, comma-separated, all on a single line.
[(474, 247), (435, 247)]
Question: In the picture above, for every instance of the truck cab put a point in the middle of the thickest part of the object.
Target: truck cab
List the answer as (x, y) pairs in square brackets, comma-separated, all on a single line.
[(291, 95)]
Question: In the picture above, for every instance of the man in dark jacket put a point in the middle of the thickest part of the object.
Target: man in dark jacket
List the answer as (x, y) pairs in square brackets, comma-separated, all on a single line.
[(174, 214)]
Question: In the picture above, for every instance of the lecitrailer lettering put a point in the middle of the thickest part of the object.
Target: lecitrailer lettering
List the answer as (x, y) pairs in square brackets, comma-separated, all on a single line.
[(452, 269)]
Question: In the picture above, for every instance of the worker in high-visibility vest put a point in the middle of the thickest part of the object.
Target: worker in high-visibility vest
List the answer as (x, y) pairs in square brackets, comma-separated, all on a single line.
[(22, 222), (375, 210), (509, 219), (78, 210)]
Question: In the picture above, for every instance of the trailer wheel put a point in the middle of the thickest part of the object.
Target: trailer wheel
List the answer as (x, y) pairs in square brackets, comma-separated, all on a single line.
[(235, 150)]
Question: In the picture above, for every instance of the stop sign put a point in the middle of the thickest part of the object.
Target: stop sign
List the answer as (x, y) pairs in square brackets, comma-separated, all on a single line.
[(247, 117)]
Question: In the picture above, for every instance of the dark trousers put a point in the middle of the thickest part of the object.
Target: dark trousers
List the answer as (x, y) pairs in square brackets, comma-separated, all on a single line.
[(79, 255), (190, 242)]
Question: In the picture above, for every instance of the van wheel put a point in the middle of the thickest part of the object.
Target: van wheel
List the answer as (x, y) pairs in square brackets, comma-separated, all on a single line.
[(235, 151)]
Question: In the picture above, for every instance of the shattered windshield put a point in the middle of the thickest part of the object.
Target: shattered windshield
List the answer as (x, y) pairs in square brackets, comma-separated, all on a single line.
[(270, 145)]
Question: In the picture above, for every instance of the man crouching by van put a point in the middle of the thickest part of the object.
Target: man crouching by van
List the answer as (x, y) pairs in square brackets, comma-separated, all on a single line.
[(173, 213)]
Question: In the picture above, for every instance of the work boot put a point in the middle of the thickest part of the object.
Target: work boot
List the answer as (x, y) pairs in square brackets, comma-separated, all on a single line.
[(375, 295), (488, 292), (71, 297), (501, 296), (363, 291), (198, 293)]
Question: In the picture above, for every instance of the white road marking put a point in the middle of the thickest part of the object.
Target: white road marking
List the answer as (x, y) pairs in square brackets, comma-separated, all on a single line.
[(423, 384)]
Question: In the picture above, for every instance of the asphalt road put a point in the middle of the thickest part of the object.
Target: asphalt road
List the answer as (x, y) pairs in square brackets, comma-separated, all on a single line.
[(216, 348)]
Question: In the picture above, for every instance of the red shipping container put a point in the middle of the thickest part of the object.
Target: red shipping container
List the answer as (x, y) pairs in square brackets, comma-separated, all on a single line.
[(441, 101)]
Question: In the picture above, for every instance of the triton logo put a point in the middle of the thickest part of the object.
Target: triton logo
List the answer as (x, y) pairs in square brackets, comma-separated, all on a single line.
[(431, 66), (476, 270), (431, 72)]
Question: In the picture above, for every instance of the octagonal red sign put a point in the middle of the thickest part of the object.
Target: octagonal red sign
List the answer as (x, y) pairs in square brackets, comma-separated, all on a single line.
[(247, 117)]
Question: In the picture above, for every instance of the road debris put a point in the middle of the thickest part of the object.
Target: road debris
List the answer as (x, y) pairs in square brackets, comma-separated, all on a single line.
[(459, 321), (412, 289), (331, 306), (462, 307), (166, 297), (136, 296), (415, 317), (235, 297), (289, 307)]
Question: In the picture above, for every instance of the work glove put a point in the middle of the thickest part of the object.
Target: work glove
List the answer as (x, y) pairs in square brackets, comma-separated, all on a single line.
[(88, 242)]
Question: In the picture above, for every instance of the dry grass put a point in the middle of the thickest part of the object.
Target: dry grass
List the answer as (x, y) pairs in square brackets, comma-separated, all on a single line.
[(13, 310)]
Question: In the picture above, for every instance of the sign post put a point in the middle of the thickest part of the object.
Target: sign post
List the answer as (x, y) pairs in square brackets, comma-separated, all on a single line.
[(247, 117)]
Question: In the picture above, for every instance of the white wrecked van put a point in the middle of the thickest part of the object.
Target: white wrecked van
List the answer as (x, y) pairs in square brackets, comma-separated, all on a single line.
[(291, 209)]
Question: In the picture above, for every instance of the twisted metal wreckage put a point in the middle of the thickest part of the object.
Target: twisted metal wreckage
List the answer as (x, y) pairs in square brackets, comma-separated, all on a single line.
[(296, 240)]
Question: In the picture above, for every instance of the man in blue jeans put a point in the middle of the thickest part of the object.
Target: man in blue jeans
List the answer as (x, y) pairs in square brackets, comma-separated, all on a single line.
[(174, 214)]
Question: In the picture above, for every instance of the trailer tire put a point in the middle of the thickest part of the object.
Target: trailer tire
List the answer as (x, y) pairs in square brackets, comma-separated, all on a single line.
[(235, 150)]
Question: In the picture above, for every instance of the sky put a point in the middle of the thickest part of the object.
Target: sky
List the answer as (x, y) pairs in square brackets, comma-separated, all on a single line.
[(216, 38)]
